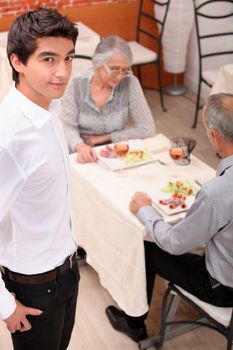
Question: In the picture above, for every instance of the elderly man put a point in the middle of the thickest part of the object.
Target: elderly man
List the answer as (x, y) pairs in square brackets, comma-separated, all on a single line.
[(208, 222)]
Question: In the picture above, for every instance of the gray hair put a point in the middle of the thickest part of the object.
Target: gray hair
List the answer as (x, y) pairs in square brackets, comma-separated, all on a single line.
[(218, 114), (108, 47)]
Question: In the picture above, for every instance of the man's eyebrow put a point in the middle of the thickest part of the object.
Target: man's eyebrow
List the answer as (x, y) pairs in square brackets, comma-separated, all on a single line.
[(71, 51), (53, 54)]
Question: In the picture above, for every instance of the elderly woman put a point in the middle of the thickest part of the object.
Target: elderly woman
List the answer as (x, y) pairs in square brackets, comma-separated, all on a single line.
[(97, 105)]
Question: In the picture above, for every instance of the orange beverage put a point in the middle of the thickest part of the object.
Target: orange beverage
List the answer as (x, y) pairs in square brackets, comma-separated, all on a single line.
[(176, 153), (121, 148)]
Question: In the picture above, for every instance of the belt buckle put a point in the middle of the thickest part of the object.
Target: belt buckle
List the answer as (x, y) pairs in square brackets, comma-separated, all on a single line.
[(75, 254), (214, 283), (71, 262)]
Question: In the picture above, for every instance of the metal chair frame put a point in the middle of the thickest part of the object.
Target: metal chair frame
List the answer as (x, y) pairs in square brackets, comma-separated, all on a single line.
[(200, 39), (206, 321), (82, 57), (170, 332), (157, 38)]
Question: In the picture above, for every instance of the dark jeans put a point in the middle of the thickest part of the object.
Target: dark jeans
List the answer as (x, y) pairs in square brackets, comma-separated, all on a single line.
[(52, 329), (187, 271)]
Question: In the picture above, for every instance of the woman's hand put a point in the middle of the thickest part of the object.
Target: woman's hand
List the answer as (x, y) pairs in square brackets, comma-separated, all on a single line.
[(85, 153), (139, 200)]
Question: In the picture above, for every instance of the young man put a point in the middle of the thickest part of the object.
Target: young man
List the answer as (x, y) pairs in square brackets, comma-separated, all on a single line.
[(39, 284), (208, 222)]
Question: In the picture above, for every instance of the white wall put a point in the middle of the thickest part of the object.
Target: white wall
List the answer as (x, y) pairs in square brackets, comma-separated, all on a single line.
[(209, 26)]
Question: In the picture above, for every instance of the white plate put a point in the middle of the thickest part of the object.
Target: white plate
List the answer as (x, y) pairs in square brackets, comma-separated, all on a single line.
[(119, 163), (157, 194)]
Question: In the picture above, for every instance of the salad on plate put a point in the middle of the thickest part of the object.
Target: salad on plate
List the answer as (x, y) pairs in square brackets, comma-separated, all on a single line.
[(123, 155), (176, 196)]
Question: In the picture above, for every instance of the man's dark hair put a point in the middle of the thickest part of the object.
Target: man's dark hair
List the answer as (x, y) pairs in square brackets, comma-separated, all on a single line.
[(30, 26)]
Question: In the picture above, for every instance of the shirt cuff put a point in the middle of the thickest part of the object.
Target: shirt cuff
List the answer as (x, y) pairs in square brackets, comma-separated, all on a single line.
[(74, 144), (148, 213), (7, 304)]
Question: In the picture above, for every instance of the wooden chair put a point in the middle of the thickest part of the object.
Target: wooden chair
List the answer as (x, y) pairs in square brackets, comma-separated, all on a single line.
[(141, 54), (208, 15), (219, 319)]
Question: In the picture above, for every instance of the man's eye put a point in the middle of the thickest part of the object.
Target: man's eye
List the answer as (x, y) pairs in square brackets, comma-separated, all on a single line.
[(69, 58), (49, 59)]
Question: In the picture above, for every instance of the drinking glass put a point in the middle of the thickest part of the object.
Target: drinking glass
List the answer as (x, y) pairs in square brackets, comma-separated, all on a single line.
[(179, 151)]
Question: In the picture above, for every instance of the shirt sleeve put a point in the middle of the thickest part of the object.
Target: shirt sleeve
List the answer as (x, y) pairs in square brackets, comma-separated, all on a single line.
[(143, 122), (12, 180), (69, 113), (7, 301), (200, 224)]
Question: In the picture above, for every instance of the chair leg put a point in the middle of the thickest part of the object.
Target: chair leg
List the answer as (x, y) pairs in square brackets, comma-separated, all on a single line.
[(165, 312), (229, 342), (160, 87), (197, 105)]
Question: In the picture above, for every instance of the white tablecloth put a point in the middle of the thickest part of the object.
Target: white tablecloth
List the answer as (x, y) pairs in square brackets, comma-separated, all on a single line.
[(224, 80), (105, 228), (85, 45)]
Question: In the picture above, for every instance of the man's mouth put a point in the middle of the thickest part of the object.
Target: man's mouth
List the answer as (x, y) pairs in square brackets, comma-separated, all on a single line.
[(61, 83), (58, 84)]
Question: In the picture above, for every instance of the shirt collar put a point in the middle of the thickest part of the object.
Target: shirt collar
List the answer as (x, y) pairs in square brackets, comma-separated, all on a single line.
[(37, 115), (224, 164)]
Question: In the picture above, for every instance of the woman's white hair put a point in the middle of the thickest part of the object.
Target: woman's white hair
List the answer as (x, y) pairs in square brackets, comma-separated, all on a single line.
[(109, 46)]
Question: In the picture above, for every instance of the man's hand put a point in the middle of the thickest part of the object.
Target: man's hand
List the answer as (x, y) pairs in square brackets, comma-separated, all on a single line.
[(139, 200), (18, 321), (85, 153)]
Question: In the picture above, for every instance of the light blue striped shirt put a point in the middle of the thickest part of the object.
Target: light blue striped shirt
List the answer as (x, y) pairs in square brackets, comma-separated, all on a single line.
[(208, 222)]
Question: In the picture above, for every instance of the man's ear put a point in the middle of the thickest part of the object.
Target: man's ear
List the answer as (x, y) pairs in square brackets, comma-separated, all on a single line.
[(16, 63), (215, 134), (217, 139)]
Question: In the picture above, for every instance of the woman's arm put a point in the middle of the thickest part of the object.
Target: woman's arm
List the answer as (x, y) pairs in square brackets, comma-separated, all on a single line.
[(143, 122), (95, 140)]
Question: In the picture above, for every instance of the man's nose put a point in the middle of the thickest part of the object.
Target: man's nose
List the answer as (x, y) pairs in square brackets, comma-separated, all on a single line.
[(63, 69)]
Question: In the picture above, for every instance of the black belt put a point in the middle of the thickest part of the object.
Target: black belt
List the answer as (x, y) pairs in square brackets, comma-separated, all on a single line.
[(41, 278), (214, 283)]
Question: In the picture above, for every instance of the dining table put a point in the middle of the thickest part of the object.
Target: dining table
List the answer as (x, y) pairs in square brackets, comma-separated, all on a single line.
[(103, 225), (224, 78), (86, 43)]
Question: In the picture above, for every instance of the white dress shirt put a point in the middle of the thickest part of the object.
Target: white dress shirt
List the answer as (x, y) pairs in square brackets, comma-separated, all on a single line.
[(35, 232)]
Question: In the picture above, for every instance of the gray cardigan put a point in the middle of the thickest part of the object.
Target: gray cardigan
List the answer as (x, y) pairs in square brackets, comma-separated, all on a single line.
[(80, 115)]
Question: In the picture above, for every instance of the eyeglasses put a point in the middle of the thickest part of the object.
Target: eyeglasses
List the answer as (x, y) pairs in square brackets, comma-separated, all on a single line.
[(115, 71)]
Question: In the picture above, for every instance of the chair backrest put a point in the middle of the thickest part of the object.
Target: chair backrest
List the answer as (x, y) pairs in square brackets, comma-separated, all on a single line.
[(214, 25), (152, 26)]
